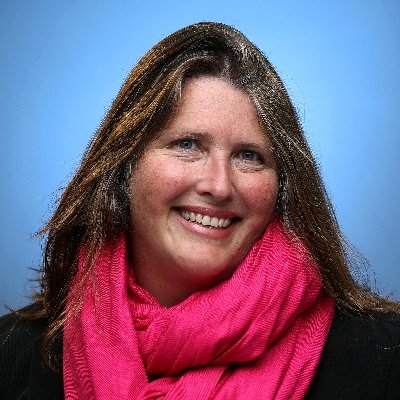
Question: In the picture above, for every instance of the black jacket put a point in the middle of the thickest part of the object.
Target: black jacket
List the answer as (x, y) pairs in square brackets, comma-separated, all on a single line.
[(360, 360)]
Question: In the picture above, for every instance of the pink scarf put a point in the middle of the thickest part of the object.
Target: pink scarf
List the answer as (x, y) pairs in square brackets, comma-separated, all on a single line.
[(258, 335)]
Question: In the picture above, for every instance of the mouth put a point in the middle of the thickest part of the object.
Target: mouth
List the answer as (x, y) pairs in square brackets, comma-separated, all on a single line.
[(207, 220)]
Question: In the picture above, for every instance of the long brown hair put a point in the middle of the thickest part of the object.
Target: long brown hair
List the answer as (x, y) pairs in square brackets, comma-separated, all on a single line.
[(95, 206)]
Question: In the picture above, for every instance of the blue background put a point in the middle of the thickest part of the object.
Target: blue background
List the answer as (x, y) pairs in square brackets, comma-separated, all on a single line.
[(62, 63)]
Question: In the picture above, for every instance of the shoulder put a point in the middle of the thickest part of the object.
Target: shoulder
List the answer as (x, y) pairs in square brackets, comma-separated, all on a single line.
[(378, 327), (361, 358), (23, 374), (17, 337), (14, 329), (377, 331), (18, 333)]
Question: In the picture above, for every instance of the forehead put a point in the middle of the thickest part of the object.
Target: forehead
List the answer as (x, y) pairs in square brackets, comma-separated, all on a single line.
[(214, 105), (204, 93)]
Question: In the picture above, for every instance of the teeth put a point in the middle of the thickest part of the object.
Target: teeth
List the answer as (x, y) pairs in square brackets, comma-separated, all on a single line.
[(206, 220)]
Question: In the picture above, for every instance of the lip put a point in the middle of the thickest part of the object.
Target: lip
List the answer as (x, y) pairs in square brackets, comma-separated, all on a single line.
[(212, 212), (204, 231)]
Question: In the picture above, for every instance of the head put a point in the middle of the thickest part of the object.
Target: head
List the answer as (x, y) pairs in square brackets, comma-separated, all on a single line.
[(96, 205), (202, 193), (98, 195)]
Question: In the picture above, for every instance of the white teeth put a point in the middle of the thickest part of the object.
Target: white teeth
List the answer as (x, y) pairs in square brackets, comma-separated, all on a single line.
[(206, 220)]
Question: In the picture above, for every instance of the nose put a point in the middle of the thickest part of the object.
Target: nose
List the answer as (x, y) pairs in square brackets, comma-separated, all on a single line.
[(216, 180)]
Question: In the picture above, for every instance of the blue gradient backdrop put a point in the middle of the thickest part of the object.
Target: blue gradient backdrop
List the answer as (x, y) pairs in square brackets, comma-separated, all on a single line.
[(62, 62)]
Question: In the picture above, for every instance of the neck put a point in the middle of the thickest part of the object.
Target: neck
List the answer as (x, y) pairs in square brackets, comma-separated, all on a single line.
[(167, 293), (165, 283)]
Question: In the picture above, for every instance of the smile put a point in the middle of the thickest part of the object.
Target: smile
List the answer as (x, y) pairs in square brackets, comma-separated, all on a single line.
[(206, 220)]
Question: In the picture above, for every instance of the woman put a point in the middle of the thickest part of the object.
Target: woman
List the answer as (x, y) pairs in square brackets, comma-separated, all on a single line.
[(195, 253)]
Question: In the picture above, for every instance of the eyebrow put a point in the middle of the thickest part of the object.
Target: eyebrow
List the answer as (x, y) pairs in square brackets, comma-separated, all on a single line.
[(191, 134), (256, 145)]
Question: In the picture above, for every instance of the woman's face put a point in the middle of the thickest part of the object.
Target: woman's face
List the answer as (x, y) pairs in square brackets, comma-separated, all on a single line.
[(203, 192)]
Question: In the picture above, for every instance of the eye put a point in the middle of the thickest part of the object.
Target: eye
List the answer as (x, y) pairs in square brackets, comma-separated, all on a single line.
[(248, 155), (187, 144)]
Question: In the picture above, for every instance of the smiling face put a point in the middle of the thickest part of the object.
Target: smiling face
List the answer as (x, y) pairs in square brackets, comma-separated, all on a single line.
[(203, 192)]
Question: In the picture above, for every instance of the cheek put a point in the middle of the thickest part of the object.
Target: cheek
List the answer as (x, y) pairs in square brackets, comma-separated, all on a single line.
[(261, 196), (156, 182)]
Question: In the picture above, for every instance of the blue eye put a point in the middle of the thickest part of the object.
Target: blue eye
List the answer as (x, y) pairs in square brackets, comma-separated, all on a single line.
[(186, 144), (249, 155)]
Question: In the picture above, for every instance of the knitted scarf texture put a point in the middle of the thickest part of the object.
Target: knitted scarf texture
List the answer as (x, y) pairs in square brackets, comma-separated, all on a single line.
[(258, 335)]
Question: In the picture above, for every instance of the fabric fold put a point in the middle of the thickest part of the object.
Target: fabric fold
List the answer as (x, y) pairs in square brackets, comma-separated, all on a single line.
[(258, 335)]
